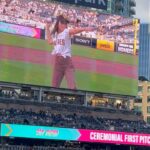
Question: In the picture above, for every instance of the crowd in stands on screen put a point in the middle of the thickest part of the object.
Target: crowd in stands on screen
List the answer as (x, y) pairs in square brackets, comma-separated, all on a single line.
[(35, 13)]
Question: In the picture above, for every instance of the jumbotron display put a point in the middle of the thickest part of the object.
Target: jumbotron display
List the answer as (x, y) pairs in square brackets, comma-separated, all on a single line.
[(101, 57)]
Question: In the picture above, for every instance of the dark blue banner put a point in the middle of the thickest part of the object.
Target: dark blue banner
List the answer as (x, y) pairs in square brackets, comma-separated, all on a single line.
[(99, 4)]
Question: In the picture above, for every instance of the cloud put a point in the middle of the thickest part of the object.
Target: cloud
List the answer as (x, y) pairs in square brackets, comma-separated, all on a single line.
[(143, 10)]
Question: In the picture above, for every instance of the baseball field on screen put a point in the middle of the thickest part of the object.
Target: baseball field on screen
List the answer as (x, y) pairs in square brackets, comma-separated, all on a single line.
[(28, 61)]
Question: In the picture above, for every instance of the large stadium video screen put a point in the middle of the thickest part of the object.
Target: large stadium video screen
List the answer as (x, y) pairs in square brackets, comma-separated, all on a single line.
[(103, 59)]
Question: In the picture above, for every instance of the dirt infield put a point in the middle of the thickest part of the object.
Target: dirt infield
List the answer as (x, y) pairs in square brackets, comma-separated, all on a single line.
[(80, 63)]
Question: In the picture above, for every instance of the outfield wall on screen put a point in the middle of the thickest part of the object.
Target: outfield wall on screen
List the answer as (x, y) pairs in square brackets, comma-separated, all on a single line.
[(68, 134)]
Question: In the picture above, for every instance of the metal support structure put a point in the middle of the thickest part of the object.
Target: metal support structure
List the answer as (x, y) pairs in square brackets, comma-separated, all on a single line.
[(132, 147), (40, 95), (85, 99), (108, 147)]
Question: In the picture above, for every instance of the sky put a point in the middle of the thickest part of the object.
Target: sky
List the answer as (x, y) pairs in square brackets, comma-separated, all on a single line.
[(143, 10)]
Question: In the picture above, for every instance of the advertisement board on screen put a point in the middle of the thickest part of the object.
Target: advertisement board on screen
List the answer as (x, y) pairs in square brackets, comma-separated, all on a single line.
[(20, 30), (101, 57)]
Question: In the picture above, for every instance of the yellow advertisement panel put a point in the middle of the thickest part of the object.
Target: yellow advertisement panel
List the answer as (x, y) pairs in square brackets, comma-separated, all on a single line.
[(105, 45)]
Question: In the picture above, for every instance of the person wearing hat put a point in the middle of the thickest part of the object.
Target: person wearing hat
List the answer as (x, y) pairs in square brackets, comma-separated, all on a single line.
[(63, 66)]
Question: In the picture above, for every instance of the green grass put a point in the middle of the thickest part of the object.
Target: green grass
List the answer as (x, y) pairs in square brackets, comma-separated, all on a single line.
[(106, 83), (77, 50), (20, 72), (27, 73), (92, 53), (22, 41)]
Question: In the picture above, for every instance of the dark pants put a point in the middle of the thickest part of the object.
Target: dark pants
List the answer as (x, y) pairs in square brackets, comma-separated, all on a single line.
[(63, 67)]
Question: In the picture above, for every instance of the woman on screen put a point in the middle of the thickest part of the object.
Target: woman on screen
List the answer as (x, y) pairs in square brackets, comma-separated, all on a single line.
[(63, 66)]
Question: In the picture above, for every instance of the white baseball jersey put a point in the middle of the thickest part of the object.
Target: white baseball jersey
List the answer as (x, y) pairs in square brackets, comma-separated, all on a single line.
[(63, 44)]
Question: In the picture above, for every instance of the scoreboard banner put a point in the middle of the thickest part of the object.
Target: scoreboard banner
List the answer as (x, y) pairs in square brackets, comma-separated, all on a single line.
[(54, 133), (99, 4)]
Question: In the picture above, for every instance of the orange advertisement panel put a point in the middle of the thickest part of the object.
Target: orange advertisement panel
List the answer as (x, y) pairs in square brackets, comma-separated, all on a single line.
[(105, 45)]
